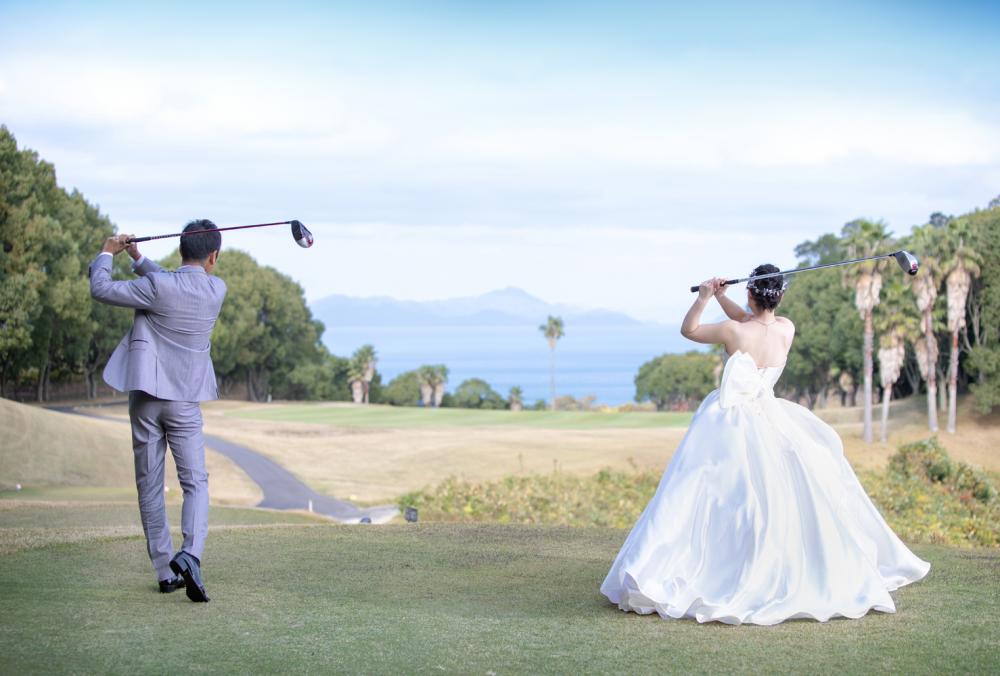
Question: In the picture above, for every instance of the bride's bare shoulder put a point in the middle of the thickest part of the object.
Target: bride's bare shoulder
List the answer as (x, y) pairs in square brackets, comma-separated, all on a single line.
[(785, 321)]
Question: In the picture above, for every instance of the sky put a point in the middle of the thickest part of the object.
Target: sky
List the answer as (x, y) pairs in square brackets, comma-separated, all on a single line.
[(597, 154)]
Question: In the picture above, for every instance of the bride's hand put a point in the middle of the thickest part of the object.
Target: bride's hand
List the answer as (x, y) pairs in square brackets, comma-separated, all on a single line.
[(707, 289)]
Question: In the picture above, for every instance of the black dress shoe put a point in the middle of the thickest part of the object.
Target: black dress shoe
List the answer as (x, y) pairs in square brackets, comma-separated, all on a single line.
[(189, 568), (172, 584)]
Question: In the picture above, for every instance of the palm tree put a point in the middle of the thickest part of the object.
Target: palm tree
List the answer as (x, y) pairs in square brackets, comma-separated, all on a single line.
[(961, 267), (440, 380), (432, 380), (516, 398), (356, 377), (866, 238), (925, 242), (425, 377), (896, 325), (364, 359), (553, 331)]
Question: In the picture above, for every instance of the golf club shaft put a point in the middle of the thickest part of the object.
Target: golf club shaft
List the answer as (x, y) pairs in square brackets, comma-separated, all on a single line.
[(232, 227), (729, 282)]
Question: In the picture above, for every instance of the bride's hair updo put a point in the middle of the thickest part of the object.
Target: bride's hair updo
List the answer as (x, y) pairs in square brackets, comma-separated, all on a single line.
[(766, 293)]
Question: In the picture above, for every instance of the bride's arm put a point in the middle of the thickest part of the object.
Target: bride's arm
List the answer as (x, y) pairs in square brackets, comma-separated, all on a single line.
[(693, 329), (732, 310)]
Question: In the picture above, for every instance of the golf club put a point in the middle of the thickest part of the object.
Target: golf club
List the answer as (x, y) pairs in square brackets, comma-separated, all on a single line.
[(907, 261), (300, 233)]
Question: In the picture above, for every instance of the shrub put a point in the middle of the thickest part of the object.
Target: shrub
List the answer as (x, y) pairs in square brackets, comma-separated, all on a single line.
[(928, 460), (923, 495)]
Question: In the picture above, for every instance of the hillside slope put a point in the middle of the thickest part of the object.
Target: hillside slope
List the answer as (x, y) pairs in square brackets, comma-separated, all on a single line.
[(47, 448)]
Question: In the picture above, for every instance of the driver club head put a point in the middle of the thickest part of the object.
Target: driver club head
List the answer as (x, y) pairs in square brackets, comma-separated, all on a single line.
[(304, 238), (907, 261)]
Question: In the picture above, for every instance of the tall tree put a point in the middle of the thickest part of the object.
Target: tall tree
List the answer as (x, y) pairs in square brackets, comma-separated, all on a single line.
[(984, 355), (515, 400), (896, 323), (364, 361), (356, 378), (925, 242), (440, 380), (425, 376), (961, 265), (553, 331), (48, 237), (864, 238), (432, 379), (827, 346)]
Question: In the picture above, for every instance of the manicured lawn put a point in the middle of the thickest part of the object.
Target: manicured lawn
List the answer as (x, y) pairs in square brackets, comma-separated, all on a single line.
[(441, 598), (40, 520), (402, 417)]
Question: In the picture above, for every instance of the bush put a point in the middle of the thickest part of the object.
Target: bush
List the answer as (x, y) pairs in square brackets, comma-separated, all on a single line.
[(570, 403), (676, 381), (609, 498), (923, 495), (925, 459), (928, 460), (403, 390), (476, 393), (927, 497)]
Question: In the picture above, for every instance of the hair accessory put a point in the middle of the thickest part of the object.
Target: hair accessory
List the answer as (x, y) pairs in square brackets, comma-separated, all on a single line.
[(767, 293)]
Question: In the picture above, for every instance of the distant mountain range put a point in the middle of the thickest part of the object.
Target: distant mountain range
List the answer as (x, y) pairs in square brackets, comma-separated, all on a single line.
[(505, 307), (495, 336)]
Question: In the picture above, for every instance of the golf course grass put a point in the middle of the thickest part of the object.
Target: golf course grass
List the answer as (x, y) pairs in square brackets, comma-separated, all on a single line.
[(408, 417), (416, 598)]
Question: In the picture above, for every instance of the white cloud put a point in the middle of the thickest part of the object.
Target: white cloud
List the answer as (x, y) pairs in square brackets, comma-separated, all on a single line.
[(752, 134), (317, 114), (618, 196)]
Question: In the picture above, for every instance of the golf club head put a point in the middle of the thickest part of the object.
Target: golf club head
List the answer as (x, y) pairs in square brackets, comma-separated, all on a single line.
[(907, 261), (304, 238)]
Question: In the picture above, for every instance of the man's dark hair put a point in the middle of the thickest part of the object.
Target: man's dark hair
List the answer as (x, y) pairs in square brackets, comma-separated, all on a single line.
[(198, 247)]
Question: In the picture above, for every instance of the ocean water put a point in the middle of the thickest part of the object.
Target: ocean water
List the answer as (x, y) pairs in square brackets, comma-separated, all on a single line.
[(599, 360)]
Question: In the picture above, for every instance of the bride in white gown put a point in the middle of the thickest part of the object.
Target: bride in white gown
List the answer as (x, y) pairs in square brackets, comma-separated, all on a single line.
[(759, 518)]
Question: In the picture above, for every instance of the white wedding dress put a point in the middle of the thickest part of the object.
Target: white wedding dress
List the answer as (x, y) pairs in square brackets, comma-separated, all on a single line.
[(759, 518)]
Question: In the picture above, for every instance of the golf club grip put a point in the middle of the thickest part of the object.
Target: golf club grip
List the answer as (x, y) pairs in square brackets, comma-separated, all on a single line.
[(136, 240), (694, 289)]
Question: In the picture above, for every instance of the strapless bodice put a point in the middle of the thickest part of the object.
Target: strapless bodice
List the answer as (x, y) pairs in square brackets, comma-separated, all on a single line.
[(744, 382)]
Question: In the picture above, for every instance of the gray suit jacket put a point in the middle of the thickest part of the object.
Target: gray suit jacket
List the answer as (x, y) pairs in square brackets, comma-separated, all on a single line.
[(167, 354)]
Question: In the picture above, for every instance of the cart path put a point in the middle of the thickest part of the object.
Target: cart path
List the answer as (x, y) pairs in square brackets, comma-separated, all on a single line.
[(281, 488)]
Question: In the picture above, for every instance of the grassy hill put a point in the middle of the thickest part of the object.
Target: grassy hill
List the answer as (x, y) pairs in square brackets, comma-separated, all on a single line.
[(295, 598), (41, 448)]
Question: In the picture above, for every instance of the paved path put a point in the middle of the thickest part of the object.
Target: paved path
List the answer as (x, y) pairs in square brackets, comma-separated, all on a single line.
[(281, 489)]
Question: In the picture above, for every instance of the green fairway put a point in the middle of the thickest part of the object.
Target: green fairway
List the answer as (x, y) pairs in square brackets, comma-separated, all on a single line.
[(440, 598), (33, 522), (403, 417)]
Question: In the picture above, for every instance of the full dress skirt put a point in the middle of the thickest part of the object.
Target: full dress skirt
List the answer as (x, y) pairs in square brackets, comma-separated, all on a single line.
[(759, 518)]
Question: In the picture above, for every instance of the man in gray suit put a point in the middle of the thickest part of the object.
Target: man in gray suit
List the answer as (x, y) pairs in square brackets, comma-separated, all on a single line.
[(165, 365)]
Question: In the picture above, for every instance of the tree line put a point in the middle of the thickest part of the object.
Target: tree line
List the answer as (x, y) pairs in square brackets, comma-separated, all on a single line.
[(936, 333), (51, 332), (266, 343)]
